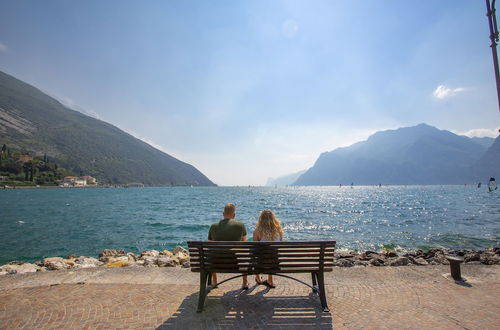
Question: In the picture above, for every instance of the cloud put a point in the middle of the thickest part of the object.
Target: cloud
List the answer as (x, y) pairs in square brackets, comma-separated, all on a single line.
[(481, 132), (442, 92), (3, 48)]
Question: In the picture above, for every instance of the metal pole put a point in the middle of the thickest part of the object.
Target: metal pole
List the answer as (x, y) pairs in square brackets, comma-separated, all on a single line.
[(492, 20)]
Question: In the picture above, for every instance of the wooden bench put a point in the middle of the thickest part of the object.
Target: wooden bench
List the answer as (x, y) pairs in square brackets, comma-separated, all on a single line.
[(250, 258)]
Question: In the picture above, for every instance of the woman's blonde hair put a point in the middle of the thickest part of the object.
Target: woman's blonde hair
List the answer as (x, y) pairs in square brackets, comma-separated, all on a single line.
[(269, 227)]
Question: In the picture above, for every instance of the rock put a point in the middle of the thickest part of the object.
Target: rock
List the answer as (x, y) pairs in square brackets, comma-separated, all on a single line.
[(16, 263), (16, 268), (132, 257), (111, 253), (376, 262), (408, 255), (390, 254), (496, 250), (55, 263), (187, 264), (150, 261), (430, 254), (118, 264), (87, 262), (440, 259), (472, 257), (166, 261), (400, 261), (139, 263), (150, 253), (166, 253), (109, 260), (181, 257), (420, 261), (420, 254), (178, 249), (72, 256), (367, 255), (344, 254), (490, 258), (344, 263), (360, 263)]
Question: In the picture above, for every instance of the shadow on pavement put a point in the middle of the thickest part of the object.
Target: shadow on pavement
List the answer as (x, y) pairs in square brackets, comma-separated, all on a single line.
[(250, 309)]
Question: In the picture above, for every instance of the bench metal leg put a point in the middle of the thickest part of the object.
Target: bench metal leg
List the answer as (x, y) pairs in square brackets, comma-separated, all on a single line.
[(322, 293), (204, 276), (314, 282)]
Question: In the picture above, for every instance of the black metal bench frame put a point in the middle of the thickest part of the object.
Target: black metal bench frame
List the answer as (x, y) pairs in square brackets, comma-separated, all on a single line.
[(250, 258)]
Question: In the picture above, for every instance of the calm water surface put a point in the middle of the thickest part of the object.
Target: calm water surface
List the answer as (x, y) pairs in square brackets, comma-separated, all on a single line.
[(37, 223)]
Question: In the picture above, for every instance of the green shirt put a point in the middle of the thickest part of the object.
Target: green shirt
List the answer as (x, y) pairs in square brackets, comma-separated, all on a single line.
[(227, 230)]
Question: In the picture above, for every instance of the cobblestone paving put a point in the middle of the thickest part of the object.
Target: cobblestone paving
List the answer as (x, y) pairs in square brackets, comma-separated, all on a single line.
[(166, 298)]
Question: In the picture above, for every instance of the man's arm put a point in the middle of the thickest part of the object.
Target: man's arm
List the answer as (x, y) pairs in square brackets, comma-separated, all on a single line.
[(244, 233)]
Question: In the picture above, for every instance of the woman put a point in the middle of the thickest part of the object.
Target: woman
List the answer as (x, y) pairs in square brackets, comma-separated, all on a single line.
[(268, 229)]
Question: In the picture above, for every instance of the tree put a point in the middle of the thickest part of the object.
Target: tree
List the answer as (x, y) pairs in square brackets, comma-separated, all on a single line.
[(26, 170), (32, 172), (4, 147)]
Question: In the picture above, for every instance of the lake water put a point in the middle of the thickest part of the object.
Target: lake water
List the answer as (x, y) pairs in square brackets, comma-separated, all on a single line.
[(37, 223)]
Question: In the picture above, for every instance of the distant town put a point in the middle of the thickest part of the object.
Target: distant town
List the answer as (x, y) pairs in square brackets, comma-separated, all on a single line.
[(23, 169)]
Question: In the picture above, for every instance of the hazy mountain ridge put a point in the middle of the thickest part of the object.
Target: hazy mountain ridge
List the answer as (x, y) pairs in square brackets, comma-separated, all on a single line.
[(489, 163), (34, 121), (284, 180), (484, 141), (420, 154)]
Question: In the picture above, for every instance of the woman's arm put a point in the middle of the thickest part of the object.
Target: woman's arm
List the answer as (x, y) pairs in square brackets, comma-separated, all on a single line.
[(256, 236)]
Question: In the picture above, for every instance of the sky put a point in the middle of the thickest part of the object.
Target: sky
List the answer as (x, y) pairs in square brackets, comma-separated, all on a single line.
[(247, 90)]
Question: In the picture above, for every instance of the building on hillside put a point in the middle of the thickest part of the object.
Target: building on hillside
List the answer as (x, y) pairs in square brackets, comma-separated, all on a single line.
[(78, 181), (68, 181), (23, 158), (90, 180)]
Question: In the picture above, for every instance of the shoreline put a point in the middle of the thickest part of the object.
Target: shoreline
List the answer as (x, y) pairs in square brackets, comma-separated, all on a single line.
[(179, 257)]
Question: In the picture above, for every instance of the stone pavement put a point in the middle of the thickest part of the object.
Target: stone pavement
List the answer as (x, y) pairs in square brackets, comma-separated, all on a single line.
[(166, 298)]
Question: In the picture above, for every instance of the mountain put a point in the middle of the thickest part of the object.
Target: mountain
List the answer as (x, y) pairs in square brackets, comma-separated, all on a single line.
[(284, 180), (37, 123), (489, 164), (420, 154), (484, 141)]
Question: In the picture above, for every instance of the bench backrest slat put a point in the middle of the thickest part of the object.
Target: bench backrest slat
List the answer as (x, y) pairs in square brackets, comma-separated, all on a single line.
[(261, 257)]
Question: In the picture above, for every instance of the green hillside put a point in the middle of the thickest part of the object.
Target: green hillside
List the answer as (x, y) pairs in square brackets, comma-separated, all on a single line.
[(33, 121)]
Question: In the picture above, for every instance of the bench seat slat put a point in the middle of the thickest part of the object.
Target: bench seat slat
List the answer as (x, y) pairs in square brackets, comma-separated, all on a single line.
[(259, 266), (253, 272), (268, 255), (261, 260)]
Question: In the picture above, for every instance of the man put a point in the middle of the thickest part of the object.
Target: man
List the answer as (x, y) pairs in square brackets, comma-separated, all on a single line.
[(228, 229)]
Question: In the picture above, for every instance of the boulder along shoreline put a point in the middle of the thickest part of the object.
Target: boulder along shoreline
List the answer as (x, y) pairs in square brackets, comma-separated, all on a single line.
[(179, 257)]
